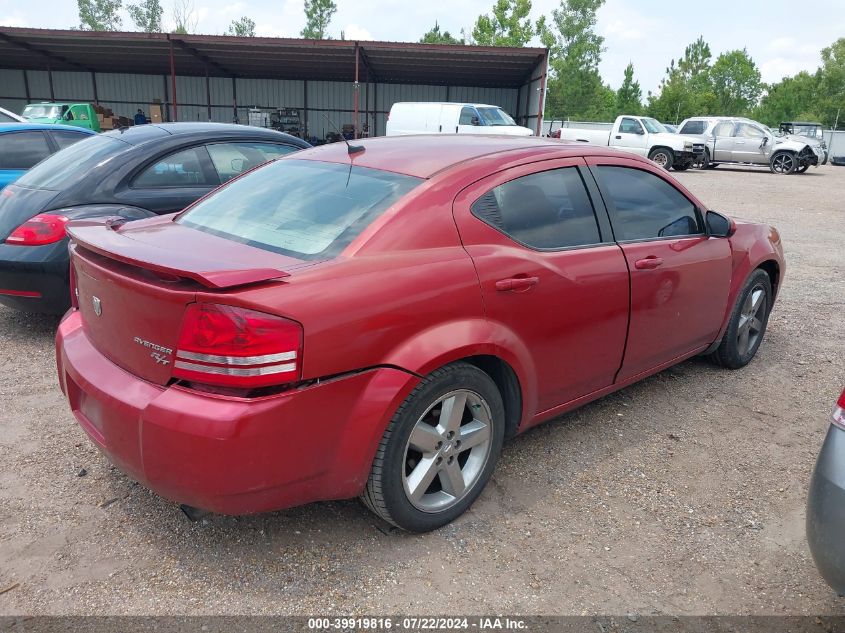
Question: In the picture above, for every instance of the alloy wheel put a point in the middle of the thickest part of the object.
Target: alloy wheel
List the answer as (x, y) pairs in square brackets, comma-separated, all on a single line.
[(783, 163), (447, 451), (750, 326)]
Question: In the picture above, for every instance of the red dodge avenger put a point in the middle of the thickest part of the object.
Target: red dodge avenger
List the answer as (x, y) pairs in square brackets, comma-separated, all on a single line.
[(375, 320)]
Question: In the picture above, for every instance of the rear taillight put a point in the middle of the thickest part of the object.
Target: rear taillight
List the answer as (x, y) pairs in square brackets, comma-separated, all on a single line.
[(235, 347), (838, 415), (44, 228)]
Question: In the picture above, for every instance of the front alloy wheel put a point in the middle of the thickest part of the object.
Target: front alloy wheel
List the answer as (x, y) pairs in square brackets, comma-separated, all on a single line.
[(747, 323), (783, 163), (438, 451)]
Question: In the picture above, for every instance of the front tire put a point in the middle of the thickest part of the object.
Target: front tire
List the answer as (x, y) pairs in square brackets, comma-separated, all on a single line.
[(802, 169), (783, 163), (662, 156), (747, 324), (438, 451)]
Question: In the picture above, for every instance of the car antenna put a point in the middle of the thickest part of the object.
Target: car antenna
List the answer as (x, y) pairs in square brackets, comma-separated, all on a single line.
[(350, 149)]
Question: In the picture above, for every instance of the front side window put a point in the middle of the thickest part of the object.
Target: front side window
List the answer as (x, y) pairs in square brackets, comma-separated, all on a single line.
[(22, 150), (305, 209), (467, 114), (233, 159), (181, 169), (547, 210), (630, 126), (694, 127), (646, 206)]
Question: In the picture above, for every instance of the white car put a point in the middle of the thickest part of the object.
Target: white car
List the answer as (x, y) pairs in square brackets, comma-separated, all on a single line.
[(739, 140), (641, 135), (451, 118), (10, 117)]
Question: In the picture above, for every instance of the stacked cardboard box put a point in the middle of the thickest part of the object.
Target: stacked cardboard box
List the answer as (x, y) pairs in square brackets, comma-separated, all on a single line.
[(156, 111)]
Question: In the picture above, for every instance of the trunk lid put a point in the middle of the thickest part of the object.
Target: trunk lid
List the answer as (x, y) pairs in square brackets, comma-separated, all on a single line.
[(135, 280), (19, 204)]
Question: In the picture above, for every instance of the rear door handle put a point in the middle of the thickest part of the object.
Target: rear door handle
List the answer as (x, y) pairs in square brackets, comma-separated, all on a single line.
[(649, 263), (517, 284)]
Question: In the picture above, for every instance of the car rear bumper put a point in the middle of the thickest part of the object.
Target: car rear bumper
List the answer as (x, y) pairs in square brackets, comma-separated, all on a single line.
[(826, 510), (35, 279), (230, 455)]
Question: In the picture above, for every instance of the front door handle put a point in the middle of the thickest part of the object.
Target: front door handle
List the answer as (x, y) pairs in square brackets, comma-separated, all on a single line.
[(649, 263), (618, 136), (517, 284)]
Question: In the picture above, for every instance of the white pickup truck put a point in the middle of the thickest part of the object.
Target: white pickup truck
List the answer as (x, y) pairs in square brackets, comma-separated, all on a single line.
[(644, 136)]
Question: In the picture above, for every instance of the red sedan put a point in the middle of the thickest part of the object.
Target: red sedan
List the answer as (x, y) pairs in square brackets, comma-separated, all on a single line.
[(373, 321)]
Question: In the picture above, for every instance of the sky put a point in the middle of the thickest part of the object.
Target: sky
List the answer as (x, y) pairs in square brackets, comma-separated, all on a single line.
[(783, 37)]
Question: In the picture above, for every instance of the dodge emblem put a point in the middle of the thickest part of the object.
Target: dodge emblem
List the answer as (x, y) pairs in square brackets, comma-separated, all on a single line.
[(98, 305)]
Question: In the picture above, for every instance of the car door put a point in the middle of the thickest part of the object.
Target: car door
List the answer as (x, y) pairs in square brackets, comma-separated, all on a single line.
[(549, 273), (749, 145), (470, 121), (723, 141), (19, 151), (170, 182), (680, 277), (631, 136), (233, 159)]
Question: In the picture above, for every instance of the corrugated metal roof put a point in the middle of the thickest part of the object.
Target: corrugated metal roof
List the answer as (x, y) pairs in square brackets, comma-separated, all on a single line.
[(266, 58)]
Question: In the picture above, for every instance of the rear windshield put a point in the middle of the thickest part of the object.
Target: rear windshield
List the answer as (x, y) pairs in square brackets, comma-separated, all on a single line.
[(68, 165), (304, 209)]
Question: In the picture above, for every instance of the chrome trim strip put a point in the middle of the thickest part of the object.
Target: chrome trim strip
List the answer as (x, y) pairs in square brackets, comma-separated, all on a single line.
[(235, 371), (236, 360)]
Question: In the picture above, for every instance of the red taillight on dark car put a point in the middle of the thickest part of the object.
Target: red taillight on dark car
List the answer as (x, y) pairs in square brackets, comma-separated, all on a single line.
[(44, 228), (236, 347)]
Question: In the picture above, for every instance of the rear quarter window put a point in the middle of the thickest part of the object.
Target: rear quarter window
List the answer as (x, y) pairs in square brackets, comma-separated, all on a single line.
[(304, 209)]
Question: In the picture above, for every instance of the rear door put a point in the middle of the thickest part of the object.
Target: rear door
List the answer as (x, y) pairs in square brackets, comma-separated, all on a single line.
[(680, 277), (171, 182), (550, 273)]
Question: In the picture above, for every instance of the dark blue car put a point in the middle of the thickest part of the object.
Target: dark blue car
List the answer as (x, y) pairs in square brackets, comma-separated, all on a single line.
[(23, 145)]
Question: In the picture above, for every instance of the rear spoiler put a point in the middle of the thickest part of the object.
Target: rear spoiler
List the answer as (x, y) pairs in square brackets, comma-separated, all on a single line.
[(104, 237)]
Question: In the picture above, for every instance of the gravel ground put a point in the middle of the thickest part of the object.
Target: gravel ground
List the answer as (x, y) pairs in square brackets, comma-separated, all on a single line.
[(683, 494)]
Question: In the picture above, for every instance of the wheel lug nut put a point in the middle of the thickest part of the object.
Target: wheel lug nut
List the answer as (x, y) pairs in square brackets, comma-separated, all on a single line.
[(450, 435), (439, 460), (438, 446), (457, 443)]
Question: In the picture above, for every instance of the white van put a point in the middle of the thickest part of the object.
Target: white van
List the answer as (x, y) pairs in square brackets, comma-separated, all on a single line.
[(451, 118)]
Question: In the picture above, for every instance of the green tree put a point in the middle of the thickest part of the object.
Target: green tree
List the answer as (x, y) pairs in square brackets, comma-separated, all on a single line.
[(831, 76), (99, 15), (687, 89), (318, 14), (508, 26), (146, 15), (629, 97), (242, 28), (575, 89), (792, 98), (736, 83), (436, 36)]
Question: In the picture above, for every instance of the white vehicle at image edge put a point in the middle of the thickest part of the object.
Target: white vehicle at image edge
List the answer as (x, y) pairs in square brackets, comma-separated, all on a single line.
[(644, 136), (10, 117), (739, 140), (451, 118)]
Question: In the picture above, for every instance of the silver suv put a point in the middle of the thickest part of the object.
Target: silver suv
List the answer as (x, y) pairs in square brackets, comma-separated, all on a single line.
[(739, 140)]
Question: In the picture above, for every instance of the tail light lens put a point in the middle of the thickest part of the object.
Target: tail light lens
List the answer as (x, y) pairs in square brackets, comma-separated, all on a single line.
[(235, 347), (44, 228), (838, 415)]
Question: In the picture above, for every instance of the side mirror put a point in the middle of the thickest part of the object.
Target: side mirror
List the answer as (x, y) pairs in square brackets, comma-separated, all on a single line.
[(641, 131), (475, 121), (719, 225)]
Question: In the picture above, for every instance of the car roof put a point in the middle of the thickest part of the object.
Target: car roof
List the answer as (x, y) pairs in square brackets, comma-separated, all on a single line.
[(137, 134), (22, 126), (423, 156)]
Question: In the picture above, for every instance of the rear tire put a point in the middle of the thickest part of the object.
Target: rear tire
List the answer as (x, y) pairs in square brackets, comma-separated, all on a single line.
[(747, 323), (662, 156), (438, 451)]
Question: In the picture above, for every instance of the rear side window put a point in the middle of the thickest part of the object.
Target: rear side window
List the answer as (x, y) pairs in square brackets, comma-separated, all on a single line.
[(725, 128), (305, 209), (66, 139), (22, 150), (69, 165), (694, 127), (233, 159), (547, 210), (645, 206), (180, 169)]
